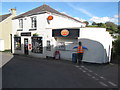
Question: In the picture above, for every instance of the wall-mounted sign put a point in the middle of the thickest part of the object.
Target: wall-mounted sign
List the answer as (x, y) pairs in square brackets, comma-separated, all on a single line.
[(64, 32), (50, 17), (30, 46), (71, 33), (26, 34)]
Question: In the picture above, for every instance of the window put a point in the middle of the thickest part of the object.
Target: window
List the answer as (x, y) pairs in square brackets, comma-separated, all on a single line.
[(61, 46), (20, 23), (37, 46), (33, 22), (17, 43), (48, 48)]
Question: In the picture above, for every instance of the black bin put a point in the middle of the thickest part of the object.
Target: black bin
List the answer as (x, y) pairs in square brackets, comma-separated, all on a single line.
[(74, 57)]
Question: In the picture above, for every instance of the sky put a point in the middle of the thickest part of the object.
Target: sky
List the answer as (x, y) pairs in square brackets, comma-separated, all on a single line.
[(84, 11)]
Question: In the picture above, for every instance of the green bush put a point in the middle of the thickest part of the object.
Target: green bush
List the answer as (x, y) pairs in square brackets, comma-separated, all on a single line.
[(116, 49)]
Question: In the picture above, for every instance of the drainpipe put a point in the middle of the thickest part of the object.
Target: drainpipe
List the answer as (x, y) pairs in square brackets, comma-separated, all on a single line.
[(11, 42)]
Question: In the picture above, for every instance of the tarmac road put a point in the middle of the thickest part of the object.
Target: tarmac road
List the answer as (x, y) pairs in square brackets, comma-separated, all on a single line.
[(27, 72)]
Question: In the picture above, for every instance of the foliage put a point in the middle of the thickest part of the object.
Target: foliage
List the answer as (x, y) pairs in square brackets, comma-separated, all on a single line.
[(7, 51), (16, 35), (87, 23), (119, 29), (35, 34), (94, 23), (116, 45), (111, 25), (116, 50)]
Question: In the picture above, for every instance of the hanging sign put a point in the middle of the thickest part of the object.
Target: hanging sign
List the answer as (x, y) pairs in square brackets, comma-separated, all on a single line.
[(26, 34), (50, 17), (30, 46), (71, 33), (65, 32)]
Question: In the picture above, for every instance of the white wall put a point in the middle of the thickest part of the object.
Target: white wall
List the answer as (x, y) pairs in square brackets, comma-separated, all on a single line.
[(63, 22), (1, 45), (44, 29)]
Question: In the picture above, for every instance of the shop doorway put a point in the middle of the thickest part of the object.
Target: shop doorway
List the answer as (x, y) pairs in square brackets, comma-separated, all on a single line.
[(26, 46)]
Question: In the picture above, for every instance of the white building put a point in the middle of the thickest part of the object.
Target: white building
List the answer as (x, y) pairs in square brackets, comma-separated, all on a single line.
[(43, 30)]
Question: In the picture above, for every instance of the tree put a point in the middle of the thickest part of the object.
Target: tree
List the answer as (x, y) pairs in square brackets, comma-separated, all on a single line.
[(116, 47), (113, 28), (94, 23), (118, 29), (111, 25), (86, 23), (101, 25)]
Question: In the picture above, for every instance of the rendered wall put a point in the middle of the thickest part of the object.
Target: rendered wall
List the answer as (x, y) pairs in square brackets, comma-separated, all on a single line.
[(1, 45), (5, 31)]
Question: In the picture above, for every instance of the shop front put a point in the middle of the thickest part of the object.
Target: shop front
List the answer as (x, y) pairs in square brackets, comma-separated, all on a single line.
[(61, 42), (94, 39), (66, 39), (28, 44)]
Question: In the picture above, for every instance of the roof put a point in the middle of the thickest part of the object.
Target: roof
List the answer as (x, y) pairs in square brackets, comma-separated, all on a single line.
[(43, 8), (3, 17)]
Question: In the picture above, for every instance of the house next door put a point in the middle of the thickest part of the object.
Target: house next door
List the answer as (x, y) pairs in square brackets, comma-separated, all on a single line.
[(26, 46)]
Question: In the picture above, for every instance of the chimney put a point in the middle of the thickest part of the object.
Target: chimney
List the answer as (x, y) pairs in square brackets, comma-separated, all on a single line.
[(13, 11)]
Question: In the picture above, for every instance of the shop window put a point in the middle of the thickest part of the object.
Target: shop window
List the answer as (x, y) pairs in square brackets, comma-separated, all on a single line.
[(20, 23), (37, 46), (61, 46), (48, 48), (33, 22), (17, 43)]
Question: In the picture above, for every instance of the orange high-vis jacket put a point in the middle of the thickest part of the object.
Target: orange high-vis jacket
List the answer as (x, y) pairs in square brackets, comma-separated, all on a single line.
[(80, 49)]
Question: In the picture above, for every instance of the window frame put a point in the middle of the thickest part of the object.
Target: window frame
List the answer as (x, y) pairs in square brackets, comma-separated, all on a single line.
[(34, 22), (15, 43), (48, 46), (21, 23), (38, 48)]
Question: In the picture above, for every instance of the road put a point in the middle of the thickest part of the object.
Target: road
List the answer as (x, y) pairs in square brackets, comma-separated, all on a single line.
[(27, 72)]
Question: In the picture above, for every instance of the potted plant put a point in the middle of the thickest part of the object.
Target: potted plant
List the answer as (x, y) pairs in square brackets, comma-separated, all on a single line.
[(35, 34), (16, 35)]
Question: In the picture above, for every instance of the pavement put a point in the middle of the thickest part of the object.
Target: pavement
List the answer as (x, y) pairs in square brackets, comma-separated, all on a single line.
[(4, 58), (27, 72)]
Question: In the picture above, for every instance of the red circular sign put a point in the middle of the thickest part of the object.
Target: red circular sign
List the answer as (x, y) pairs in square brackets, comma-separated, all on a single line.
[(50, 18), (64, 32)]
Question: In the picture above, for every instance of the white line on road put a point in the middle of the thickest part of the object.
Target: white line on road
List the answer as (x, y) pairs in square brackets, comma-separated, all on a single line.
[(80, 68), (103, 84), (77, 66), (89, 74), (83, 71), (102, 78), (113, 84), (85, 68), (90, 71), (96, 78), (93, 77)]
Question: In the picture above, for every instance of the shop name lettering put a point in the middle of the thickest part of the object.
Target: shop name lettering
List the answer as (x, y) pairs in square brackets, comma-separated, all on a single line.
[(26, 34)]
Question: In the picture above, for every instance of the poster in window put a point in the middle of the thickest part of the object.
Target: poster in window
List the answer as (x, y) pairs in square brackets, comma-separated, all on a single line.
[(17, 43), (61, 46), (37, 45)]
